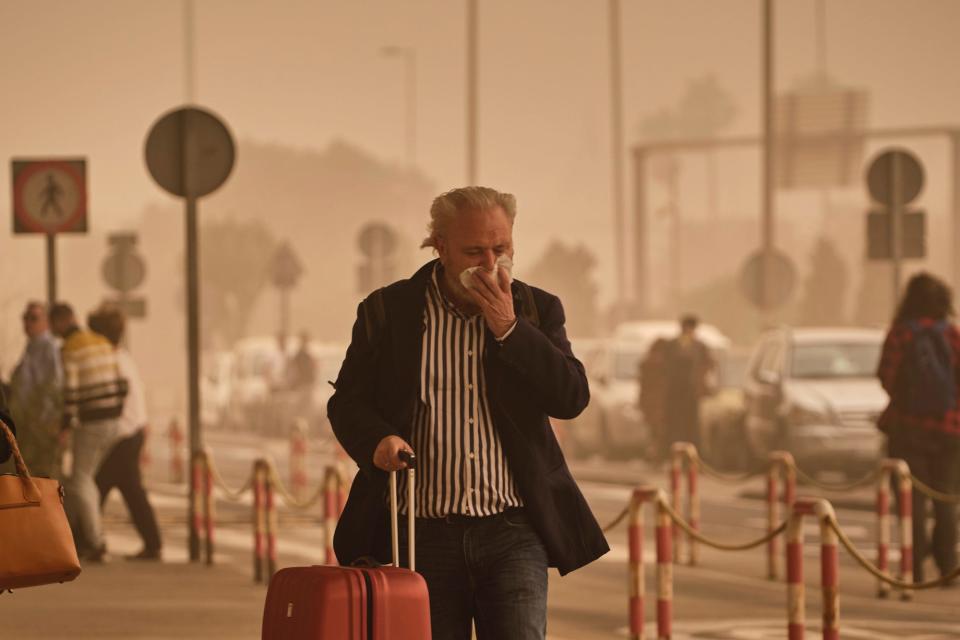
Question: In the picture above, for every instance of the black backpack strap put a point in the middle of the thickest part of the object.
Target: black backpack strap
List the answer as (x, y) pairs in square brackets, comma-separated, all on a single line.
[(528, 308), (374, 316)]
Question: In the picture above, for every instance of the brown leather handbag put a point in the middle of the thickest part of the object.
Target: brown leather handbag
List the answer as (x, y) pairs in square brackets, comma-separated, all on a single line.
[(36, 546)]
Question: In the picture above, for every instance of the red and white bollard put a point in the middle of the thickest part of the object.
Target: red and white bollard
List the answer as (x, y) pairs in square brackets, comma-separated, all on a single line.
[(665, 570), (890, 467), (684, 454), (829, 569), (259, 520), (298, 459), (270, 506), (175, 433), (208, 506), (781, 465), (637, 591)]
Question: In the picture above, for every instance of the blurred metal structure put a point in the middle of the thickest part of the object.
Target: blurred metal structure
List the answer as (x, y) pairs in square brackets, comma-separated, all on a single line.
[(616, 150), (643, 153), (472, 92), (409, 57)]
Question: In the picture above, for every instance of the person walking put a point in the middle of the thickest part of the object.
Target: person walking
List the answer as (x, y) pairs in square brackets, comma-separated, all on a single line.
[(689, 367), (121, 468), (462, 365), (920, 371), (94, 395), (36, 394)]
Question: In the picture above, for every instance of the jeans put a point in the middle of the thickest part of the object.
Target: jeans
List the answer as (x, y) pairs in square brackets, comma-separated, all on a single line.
[(92, 442), (936, 462), (490, 571), (121, 469)]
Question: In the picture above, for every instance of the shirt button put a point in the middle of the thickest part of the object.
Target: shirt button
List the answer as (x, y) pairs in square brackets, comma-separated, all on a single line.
[(472, 455), (470, 353), (471, 420), (470, 387)]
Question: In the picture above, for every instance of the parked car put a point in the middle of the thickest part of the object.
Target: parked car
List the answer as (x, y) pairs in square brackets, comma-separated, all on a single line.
[(612, 424), (259, 397), (814, 392)]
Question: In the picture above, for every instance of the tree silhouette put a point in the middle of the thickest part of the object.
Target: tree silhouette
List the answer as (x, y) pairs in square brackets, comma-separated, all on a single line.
[(825, 289), (234, 260), (567, 272)]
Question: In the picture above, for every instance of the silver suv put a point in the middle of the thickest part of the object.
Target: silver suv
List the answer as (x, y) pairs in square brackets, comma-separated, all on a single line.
[(814, 392)]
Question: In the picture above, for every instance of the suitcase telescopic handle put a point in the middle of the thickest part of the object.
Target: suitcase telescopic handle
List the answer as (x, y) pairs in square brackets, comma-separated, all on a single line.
[(411, 460)]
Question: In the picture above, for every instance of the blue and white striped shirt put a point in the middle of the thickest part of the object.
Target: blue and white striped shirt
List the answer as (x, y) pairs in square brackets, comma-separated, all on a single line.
[(461, 466)]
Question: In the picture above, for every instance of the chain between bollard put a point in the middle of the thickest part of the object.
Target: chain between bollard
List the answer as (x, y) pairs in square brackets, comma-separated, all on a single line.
[(880, 575), (932, 493), (806, 478), (732, 478), (620, 518), (289, 499), (229, 494), (722, 546)]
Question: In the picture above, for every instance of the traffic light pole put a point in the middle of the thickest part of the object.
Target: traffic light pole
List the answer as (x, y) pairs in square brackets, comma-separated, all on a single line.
[(193, 366), (896, 225)]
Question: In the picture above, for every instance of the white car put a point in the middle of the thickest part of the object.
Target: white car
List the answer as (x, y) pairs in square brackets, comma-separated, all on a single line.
[(815, 393)]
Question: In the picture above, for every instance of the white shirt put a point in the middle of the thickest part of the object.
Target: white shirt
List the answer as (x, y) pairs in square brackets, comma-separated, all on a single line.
[(134, 416)]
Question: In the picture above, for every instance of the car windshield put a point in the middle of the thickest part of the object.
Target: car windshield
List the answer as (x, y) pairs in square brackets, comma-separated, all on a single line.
[(835, 360)]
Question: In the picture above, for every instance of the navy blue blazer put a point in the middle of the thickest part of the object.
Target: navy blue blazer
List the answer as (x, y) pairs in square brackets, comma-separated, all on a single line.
[(531, 376)]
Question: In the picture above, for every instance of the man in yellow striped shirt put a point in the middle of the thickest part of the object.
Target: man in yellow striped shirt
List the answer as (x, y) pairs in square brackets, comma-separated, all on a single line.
[(93, 396)]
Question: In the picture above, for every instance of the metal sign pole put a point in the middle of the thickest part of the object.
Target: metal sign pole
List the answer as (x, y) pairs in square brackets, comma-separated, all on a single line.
[(51, 269), (193, 366), (896, 223)]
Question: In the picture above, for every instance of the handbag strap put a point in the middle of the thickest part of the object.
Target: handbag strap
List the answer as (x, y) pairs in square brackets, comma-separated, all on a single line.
[(31, 493)]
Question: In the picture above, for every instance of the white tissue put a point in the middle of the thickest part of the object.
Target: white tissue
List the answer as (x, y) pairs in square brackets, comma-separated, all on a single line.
[(503, 262)]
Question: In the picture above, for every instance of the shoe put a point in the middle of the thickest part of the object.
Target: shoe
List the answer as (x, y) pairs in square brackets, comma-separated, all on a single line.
[(146, 554), (94, 556)]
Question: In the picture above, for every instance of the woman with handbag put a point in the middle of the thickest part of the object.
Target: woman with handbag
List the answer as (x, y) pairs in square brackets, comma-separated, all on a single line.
[(34, 534)]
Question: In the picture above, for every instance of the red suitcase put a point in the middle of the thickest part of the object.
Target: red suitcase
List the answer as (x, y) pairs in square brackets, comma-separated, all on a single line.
[(351, 603)]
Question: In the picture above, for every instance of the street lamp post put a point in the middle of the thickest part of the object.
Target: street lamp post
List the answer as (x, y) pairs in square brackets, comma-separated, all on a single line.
[(409, 57)]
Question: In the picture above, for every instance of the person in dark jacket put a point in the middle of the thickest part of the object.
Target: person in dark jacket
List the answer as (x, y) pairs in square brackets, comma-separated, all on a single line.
[(689, 367), (458, 371), (918, 431)]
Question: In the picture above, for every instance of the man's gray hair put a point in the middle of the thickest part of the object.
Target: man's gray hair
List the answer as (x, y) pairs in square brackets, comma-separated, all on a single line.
[(449, 205)]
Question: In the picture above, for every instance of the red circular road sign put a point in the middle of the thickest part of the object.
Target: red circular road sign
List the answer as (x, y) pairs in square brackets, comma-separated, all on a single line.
[(49, 196)]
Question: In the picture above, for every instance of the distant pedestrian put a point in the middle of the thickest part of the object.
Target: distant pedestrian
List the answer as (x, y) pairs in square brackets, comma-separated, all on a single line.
[(94, 395), (653, 395), (920, 370), (689, 367), (121, 468), (36, 399), (302, 377)]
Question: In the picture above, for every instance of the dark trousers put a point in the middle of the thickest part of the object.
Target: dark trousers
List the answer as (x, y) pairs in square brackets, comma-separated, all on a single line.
[(491, 572), (121, 469), (936, 462)]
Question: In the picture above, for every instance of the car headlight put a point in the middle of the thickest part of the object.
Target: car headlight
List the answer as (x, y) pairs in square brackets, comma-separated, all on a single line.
[(809, 416)]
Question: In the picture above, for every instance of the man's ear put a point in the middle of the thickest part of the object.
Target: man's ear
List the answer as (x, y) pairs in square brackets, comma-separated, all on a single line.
[(442, 250)]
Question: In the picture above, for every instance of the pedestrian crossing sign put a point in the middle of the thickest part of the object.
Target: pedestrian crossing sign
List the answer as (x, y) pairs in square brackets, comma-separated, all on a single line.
[(49, 195)]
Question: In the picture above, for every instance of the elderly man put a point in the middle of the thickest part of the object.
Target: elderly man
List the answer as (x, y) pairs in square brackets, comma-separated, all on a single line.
[(35, 394), (462, 365)]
